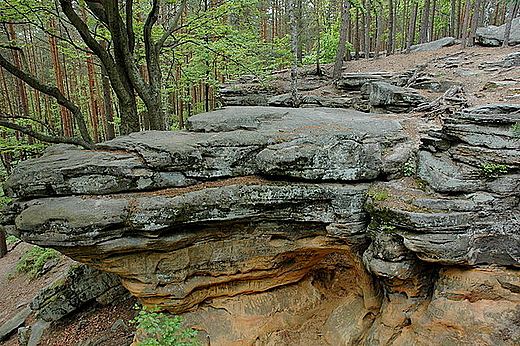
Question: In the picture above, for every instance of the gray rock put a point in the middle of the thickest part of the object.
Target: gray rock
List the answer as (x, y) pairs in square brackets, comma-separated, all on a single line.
[(391, 97), (254, 203), (434, 45), (10, 326), (69, 292), (493, 36), (322, 101), (37, 331), (354, 81), (284, 100)]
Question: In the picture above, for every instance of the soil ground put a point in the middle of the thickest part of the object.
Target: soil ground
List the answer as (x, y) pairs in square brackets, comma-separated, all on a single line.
[(468, 67)]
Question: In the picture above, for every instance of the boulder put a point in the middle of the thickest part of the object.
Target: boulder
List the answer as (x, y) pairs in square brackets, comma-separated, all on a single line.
[(79, 286), (434, 45), (354, 81), (392, 98), (493, 36)]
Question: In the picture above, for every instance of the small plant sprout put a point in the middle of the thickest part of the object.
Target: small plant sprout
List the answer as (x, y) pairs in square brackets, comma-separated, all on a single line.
[(491, 171), (409, 168)]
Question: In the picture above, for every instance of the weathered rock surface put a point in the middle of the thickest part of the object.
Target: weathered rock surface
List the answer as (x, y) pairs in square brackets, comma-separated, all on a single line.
[(433, 45), (493, 36), (278, 226), (354, 81), (392, 98)]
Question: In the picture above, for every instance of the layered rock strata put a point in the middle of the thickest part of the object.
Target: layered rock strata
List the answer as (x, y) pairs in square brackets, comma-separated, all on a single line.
[(278, 226)]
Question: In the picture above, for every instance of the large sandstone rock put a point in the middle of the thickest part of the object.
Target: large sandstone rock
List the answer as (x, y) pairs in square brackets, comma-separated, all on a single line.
[(278, 226)]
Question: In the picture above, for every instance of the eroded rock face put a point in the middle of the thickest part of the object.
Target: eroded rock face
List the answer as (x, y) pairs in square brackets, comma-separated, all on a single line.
[(278, 226)]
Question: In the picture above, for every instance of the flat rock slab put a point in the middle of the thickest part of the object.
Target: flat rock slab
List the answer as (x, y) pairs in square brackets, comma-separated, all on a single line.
[(311, 144)]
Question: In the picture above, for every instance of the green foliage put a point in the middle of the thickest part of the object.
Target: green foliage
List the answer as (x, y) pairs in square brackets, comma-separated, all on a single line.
[(9, 276), (409, 168), (386, 228), (162, 330), (380, 195), (11, 239), (32, 262), (491, 171), (515, 129)]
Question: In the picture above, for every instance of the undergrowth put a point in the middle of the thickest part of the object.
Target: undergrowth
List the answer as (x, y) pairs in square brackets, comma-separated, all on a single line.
[(33, 262)]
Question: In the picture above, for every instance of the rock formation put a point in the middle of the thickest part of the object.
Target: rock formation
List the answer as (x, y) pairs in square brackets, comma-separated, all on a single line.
[(493, 36), (279, 226)]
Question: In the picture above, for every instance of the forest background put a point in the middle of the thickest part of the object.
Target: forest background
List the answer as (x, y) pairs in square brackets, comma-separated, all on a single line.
[(82, 72)]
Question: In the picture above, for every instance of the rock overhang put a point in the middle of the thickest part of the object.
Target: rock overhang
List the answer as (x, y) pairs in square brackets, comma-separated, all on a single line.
[(252, 200)]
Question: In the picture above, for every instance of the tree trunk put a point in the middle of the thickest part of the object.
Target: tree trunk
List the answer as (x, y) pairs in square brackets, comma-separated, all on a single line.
[(453, 16), (3, 243), (379, 30), (343, 35), (391, 28), (425, 23), (513, 9), (432, 36), (66, 121), (474, 22), (411, 27), (294, 47), (367, 23), (465, 24)]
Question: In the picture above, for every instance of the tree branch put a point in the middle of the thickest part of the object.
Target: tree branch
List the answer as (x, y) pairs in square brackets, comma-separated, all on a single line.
[(173, 25), (46, 138), (51, 91), (130, 25)]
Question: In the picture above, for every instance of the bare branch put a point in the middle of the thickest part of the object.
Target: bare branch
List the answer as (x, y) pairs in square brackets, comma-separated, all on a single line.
[(44, 124), (173, 25), (51, 91), (46, 138)]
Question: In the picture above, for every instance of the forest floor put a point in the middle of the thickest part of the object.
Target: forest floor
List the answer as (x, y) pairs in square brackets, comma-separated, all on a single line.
[(473, 68)]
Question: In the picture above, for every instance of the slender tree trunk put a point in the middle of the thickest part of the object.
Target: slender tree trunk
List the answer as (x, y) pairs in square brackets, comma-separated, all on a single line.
[(474, 22), (412, 26), (513, 9), (343, 36), (379, 29), (367, 24), (357, 42), (465, 25), (453, 16), (22, 99), (432, 36), (391, 28), (66, 121), (299, 28), (294, 47), (425, 23)]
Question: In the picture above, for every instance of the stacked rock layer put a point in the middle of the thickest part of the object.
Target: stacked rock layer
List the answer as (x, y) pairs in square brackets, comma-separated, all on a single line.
[(278, 226)]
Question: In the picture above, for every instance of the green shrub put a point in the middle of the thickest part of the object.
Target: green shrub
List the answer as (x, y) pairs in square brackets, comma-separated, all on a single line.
[(491, 171), (162, 330), (32, 262), (515, 129)]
